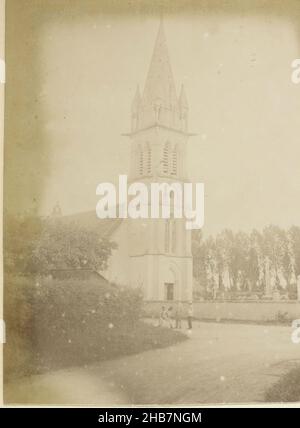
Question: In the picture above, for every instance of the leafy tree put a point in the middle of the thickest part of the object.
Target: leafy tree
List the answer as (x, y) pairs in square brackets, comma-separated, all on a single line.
[(294, 233), (36, 245)]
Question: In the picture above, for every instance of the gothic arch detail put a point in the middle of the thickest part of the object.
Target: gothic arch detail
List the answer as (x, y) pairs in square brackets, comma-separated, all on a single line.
[(144, 159)]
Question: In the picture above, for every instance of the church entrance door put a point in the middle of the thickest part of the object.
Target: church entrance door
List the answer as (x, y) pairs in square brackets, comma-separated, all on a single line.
[(169, 291)]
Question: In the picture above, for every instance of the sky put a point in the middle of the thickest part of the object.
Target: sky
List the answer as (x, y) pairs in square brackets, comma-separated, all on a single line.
[(243, 105)]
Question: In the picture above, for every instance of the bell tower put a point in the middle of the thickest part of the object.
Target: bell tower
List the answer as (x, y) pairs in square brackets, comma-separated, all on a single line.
[(160, 249)]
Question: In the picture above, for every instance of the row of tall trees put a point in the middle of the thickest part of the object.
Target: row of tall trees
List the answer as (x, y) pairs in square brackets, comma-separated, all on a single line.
[(255, 262)]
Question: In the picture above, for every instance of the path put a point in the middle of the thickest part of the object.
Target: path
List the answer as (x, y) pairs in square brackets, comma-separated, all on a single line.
[(220, 363)]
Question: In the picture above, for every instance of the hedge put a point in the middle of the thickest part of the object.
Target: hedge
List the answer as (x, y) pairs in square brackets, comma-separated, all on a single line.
[(53, 324)]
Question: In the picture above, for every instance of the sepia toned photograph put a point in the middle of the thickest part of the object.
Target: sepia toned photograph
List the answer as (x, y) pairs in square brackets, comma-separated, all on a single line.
[(151, 207)]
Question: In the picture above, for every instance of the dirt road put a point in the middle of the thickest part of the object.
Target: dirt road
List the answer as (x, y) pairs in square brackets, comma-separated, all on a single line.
[(220, 363)]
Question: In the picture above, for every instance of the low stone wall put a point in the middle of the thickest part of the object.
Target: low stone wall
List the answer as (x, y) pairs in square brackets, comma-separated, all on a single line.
[(233, 310)]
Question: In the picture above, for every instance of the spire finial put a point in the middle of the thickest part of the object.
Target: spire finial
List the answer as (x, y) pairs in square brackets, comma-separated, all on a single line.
[(161, 18)]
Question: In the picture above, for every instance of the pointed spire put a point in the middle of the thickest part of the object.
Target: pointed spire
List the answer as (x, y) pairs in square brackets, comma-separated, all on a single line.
[(183, 103), (184, 108), (136, 101), (160, 85)]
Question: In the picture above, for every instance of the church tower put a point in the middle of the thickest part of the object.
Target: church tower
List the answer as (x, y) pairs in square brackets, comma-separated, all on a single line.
[(160, 249)]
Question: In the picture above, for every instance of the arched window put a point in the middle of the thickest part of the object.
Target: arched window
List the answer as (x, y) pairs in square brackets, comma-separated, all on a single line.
[(166, 160), (167, 236), (174, 237), (170, 236), (148, 160), (144, 159), (174, 161), (140, 160)]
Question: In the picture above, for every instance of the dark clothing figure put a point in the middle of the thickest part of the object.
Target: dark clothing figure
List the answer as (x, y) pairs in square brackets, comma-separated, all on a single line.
[(178, 315), (163, 317), (190, 316)]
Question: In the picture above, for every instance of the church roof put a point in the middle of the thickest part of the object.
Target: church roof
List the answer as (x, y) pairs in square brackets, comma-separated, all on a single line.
[(78, 274), (89, 220)]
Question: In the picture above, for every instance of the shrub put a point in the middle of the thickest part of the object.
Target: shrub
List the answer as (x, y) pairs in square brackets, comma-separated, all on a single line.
[(83, 317), (17, 315), (282, 317), (287, 389), (51, 319), (53, 324)]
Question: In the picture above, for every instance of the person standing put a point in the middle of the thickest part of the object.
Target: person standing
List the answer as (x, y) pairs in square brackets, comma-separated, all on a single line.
[(190, 316), (178, 315), (162, 317), (170, 317)]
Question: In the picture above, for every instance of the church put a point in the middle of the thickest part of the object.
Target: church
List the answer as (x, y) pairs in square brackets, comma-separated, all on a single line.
[(155, 254)]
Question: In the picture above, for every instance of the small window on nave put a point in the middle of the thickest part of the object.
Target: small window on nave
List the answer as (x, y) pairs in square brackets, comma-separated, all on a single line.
[(170, 236)]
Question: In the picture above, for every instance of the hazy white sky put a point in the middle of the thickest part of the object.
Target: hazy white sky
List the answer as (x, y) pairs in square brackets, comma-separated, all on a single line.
[(243, 106)]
